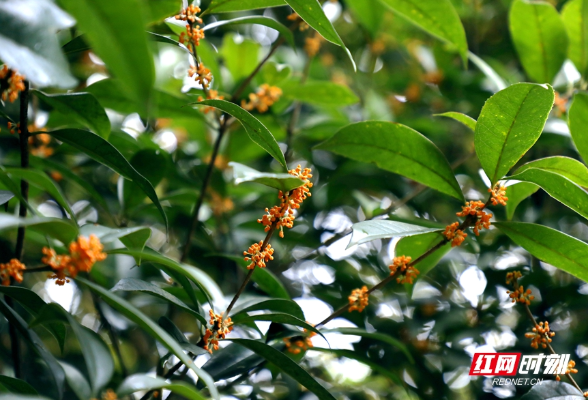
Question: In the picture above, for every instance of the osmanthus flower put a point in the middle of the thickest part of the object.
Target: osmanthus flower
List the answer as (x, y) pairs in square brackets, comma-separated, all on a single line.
[(219, 328), (520, 295), (358, 299), (498, 195), (257, 256), (11, 84), (203, 75), (212, 95), (295, 17), (12, 268), (108, 395), (193, 33), (39, 144), (312, 44), (476, 208), (83, 254), (456, 236), (297, 344), (407, 272), (513, 277), (14, 128), (189, 14), (263, 99), (541, 335)]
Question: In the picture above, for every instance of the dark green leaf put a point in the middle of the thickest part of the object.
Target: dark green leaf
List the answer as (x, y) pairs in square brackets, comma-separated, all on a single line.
[(103, 152), (575, 17), (367, 231), (231, 361), (254, 128), (77, 382), (437, 17), (567, 167), (281, 305), (60, 229), (81, 107), (510, 123), (553, 390), (76, 45), (459, 117), (150, 163), (255, 19), (29, 42), (141, 382), (14, 188), (286, 365), (540, 38), (135, 315), (578, 120), (281, 318), (556, 248), (5, 196), (22, 397), (284, 182), (13, 385), (319, 93), (369, 13), (516, 194), (179, 336), (396, 148), (120, 41), (222, 6)]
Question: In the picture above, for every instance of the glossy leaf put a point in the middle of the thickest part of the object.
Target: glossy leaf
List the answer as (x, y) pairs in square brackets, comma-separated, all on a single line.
[(13, 396), (150, 163), (577, 121), (567, 167), (5, 196), (575, 17), (15, 189), (179, 336), (142, 382), (284, 182), (280, 318), (280, 305), (487, 70), (231, 361), (135, 315), (459, 117), (286, 365), (510, 123), (29, 41), (259, 20), (137, 285), (312, 13), (558, 187), (367, 231), (370, 14), (105, 153), (13, 385), (396, 148), (319, 93), (556, 248), (553, 390), (254, 128), (222, 6), (80, 107), (76, 381), (43, 182), (61, 229), (120, 41), (133, 238), (436, 17), (97, 356), (516, 194), (540, 38)]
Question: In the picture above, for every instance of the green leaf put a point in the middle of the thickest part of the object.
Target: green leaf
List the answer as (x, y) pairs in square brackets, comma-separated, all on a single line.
[(13, 385), (312, 13), (76, 45), (150, 163), (374, 335), (231, 361), (137, 285), (575, 17), (396, 148), (61, 229), (120, 41), (364, 360), (280, 318), (97, 356), (81, 107), (553, 390), (319, 93), (135, 315), (133, 238), (240, 55), (284, 182), (540, 38), (76, 381), (13, 396), (13, 187), (254, 128), (558, 187), (577, 121), (281, 305), (510, 123), (459, 117), (286, 365), (367, 231), (112, 95), (487, 70), (43, 182), (160, 9), (567, 167), (553, 247), (142, 382), (222, 6), (105, 153), (516, 194), (255, 19), (5, 196), (179, 337), (369, 13), (29, 41), (436, 17), (56, 375)]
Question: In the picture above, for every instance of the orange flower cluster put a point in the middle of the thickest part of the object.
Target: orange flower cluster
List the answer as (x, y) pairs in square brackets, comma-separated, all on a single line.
[(408, 273), (298, 344), (189, 15), (203, 75), (39, 145), (192, 34), (520, 295), (13, 269), (513, 277), (83, 254), (257, 256), (212, 95), (457, 236), (109, 395), (295, 17), (540, 336), (358, 299), (476, 208), (220, 205), (219, 329), (498, 195), (312, 45), (14, 127), (263, 99), (13, 86)]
